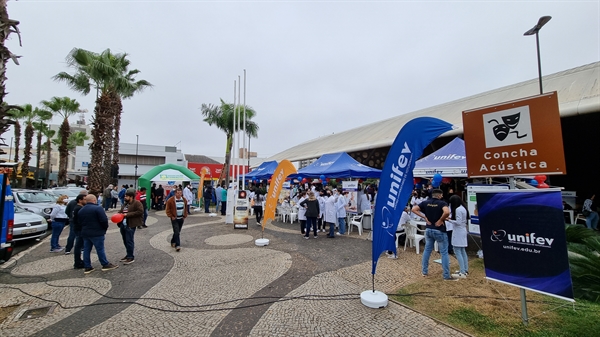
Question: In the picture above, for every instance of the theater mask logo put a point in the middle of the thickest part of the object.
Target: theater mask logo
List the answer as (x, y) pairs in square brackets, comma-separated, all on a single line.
[(507, 127)]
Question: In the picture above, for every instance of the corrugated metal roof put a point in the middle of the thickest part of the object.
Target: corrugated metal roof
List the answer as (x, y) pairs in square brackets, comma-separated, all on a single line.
[(578, 93)]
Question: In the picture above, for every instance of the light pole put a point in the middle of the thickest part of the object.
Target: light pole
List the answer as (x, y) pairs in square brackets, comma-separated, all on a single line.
[(535, 30), (10, 150), (137, 140)]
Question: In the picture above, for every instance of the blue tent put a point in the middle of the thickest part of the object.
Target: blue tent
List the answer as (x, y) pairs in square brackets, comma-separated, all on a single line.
[(449, 161), (337, 165), (264, 171)]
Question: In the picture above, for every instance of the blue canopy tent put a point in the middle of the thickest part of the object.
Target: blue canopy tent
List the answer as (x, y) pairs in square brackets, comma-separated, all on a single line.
[(337, 165), (449, 161), (264, 171)]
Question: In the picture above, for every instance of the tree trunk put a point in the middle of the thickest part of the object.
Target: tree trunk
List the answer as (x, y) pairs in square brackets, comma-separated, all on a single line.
[(26, 154), (118, 109), (228, 159), (48, 162), (96, 172), (63, 152), (17, 145)]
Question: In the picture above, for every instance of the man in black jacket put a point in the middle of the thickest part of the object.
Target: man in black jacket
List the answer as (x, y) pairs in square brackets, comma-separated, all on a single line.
[(69, 211), (94, 224), (76, 228)]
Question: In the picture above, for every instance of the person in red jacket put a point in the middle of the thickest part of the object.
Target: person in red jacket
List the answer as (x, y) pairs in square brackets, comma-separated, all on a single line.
[(141, 197)]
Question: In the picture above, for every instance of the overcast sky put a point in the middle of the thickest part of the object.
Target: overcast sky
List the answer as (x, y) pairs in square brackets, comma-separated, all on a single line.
[(313, 67)]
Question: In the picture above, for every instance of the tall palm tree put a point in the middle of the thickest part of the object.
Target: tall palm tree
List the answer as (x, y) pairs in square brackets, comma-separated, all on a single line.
[(7, 26), (47, 147), (65, 107), (31, 115), (16, 115), (109, 75), (39, 127), (223, 118)]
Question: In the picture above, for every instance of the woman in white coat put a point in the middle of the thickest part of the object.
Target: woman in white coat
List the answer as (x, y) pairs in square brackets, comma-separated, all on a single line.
[(458, 219), (302, 211), (341, 204), (330, 213), (321, 219)]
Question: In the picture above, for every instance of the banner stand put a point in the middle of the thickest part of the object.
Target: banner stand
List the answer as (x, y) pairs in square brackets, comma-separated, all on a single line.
[(512, 185)]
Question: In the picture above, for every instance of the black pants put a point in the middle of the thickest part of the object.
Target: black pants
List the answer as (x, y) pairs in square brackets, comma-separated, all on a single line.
[(258, 211), (302, 226), (223, 207)]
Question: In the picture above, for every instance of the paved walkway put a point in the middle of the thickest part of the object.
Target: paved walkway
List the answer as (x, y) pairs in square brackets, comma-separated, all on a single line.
[(219, 284)]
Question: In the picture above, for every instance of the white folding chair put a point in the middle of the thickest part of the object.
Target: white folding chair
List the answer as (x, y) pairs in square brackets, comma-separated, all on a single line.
[(412, 236)]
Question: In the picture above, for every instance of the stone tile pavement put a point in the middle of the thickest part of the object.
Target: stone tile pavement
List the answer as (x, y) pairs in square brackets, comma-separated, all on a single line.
[(219, 284)]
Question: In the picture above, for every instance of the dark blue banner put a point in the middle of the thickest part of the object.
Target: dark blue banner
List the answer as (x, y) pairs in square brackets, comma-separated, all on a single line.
[(524, 241), (396, 182)]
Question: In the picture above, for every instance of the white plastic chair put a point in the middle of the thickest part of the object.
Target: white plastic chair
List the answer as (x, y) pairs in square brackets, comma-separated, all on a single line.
[(412, 236), (356, 221), (284, 212), (293, 214)]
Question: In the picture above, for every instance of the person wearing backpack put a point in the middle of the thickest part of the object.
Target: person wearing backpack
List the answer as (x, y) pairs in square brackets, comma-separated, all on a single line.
[(122, 194)]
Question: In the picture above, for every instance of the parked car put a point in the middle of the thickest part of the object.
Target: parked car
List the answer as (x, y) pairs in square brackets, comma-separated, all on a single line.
[(28, 225), (38, 202), (70, 192)]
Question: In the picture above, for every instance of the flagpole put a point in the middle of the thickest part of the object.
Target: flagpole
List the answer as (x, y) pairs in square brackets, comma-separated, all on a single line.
[(246, 151), (234, 136), (237, 177)]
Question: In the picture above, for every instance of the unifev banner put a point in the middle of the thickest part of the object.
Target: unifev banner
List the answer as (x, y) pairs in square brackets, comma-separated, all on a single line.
[(284, 169), (524, 241), (396, 182), (352, 200)]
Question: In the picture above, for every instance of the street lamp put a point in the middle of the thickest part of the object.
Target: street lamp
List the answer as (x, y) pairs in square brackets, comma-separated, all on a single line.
[(137, 140), (535, 30)]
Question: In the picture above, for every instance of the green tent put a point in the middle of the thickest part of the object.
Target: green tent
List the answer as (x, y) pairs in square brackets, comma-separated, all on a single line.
[(163, 174)]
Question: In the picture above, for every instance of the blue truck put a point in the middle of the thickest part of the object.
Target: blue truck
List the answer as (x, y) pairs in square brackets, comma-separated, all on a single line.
[(7, 213)]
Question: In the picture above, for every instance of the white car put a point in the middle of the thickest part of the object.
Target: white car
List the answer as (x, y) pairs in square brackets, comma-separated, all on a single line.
[(38, 202), (28, 225), (71, 193)]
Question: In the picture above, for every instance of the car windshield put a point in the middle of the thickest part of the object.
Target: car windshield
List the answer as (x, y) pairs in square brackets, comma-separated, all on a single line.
[(35, 197), (68, 193), (19, 209)]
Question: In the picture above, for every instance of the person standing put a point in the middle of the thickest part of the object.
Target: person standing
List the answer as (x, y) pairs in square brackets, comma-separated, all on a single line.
[(107, 197), (208, 194), (330, 213), (59, 220), (311, 205), (321, 217), (223, 200), (114, 197), (458, 218), (189, 196), (435, 211), (141, 197), (258, 206), (134, 214), (589, 211), (176, 210), (219, 195), (302, 212), (153, 196), (122, 194), (69, 211), (341, 212), (159, 195), (78, 247), (94, 224)]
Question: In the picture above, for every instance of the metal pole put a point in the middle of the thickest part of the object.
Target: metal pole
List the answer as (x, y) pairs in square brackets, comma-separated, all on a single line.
[(524, 307), (137, 140), (10, 150), (246, 151), (537, 42), (238, 169)]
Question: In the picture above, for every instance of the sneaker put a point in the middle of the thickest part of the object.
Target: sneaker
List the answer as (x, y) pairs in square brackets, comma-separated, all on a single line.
[(67, 253), (57, 250), (315, 236), (109, 266), (306, 237), (451, 279), (177, 248), (459, 275), (172, 245), (424, 275), (128, 261), (338, 233), (392, 256), (258, 224), (88, 270), (123, 259), (144, 226)]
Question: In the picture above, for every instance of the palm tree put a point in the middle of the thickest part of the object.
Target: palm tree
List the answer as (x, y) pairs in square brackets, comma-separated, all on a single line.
[(49, 134), (65, 107), (31, 115), (39, 127), (109, 75), (16, 115), (223, 118), (7, 26)]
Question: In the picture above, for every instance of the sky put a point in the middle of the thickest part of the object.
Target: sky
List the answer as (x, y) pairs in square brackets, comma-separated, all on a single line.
[(313, 68)]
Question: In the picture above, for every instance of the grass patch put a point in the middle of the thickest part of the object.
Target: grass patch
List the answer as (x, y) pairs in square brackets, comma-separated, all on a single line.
[(487, 308)]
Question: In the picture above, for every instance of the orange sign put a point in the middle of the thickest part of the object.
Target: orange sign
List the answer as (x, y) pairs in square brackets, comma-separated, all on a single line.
[(521, 137)]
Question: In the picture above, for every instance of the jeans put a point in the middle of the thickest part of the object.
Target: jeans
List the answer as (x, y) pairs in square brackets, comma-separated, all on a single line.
[(98, 243), (177, 224), (127, 234), (145, 215), (57, 228), (331, 229), (463, 261), (342, 224), (77, 261), (70, 239), (311, 221), (106, 202), (450, 248), (223, 207), (218, 206), (258, 211), (206, 205), (320, 224), (432, 235), (591, 221)]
